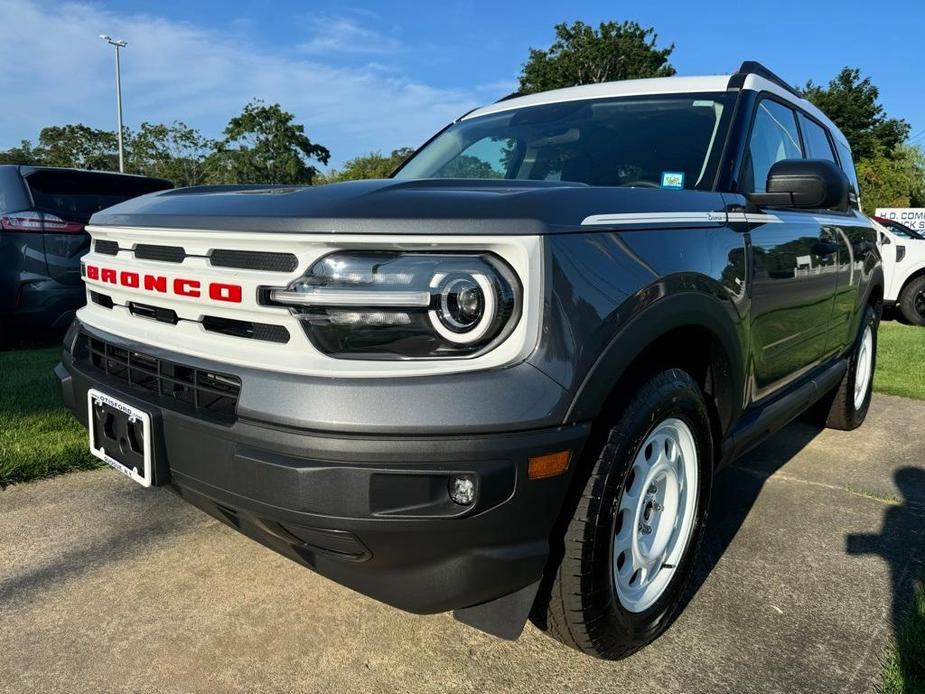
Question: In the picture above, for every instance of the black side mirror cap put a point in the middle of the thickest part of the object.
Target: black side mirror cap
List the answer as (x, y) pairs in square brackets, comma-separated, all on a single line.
[(813, 184)]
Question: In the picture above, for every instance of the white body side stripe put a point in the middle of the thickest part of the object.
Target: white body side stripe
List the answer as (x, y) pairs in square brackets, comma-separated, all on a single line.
[(654, 218)]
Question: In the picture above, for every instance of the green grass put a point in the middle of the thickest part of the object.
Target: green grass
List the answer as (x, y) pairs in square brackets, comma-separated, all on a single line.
[(38, 436), (904, 664), (901, 360)]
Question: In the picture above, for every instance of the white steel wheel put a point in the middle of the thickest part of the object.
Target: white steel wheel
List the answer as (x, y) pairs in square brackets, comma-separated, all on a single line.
[(655, 515), (864, 369)]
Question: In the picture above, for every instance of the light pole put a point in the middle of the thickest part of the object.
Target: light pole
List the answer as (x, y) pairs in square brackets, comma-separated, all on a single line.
[(118, 44)]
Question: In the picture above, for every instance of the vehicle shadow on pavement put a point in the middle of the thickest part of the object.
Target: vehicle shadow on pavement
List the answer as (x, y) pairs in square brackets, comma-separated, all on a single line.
[(735, 491), (901, 535), (141, 533), (898, 544)]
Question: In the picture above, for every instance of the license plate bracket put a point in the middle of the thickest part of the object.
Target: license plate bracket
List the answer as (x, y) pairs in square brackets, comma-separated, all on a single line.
[(120, 436)]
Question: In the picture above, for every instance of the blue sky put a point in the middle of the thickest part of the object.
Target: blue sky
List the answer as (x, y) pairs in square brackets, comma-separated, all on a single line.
[(363, 76)]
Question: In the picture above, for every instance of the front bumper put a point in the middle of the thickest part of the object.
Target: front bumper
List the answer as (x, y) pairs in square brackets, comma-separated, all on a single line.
[(370, 511)]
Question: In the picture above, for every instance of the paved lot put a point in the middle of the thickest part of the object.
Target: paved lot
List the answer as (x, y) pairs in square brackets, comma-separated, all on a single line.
[(814, 543)]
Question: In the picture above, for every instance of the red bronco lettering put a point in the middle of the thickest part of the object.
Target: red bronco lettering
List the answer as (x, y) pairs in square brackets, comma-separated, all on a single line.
[(217, 291)]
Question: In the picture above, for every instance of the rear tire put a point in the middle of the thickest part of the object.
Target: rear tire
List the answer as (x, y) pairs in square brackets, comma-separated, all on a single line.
[(912, 301), (846, 407), (630, 544)]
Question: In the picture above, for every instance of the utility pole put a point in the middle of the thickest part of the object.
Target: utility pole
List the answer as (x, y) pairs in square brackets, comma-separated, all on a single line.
[(118, 45)]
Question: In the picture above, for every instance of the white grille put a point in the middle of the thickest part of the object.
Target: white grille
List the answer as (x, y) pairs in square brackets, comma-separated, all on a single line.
[(298, 356)]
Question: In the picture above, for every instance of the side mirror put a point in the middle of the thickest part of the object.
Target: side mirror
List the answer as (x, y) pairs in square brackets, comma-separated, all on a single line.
[(813, 184), (884, 239)]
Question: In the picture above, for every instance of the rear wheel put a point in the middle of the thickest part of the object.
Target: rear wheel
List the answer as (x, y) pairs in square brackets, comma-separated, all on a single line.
[(912, 301), (631, 541), (846, 407)]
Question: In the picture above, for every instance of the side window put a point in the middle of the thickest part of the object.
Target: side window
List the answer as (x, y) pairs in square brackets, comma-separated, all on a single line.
[(774, 137), (847, 165), (817, 141)]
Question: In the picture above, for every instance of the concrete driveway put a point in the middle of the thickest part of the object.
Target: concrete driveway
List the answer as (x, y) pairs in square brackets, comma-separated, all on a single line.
[(814, 544)]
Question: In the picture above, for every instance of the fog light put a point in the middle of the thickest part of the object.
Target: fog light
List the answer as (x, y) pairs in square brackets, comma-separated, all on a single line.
[(462, 489)]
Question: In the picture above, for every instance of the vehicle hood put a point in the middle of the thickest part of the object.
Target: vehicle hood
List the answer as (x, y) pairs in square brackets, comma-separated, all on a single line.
[(389, 206)]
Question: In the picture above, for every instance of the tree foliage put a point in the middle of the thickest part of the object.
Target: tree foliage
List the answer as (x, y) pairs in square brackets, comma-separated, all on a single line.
[(584, 55), (79, 146), (263, 144), (176, 152), (372, 165), (894, 181), (25, 154), (851, 103)]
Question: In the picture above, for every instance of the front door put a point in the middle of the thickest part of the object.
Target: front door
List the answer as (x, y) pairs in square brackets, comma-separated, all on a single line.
[(794, 263)]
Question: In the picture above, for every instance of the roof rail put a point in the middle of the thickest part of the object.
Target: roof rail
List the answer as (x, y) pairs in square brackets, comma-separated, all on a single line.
[(753, 67), (512, 95)]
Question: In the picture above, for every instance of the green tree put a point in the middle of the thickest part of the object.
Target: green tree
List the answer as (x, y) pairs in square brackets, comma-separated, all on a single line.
[(25, 154), (79, 146), (897, 180), (851, 103), (263, 144), (372, 165), (584, 55), (176, 152), (467, 166)]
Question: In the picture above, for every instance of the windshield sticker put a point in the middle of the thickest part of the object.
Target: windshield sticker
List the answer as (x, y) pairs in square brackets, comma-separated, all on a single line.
[(673, 180)]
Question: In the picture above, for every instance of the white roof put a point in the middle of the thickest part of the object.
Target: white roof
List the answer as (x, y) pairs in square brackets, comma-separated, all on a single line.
[(655, 85)]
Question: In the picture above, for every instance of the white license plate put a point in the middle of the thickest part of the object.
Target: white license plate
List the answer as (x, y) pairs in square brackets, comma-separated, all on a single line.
[(120, 436)]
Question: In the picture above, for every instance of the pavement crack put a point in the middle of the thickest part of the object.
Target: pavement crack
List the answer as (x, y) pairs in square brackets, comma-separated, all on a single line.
[(911, 506)]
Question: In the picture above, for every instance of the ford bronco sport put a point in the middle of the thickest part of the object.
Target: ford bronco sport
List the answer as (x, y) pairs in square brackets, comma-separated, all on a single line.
[(499, 382)]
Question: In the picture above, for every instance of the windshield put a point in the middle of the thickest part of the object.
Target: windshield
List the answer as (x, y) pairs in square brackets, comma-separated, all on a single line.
[(901, 229), (663, 141)]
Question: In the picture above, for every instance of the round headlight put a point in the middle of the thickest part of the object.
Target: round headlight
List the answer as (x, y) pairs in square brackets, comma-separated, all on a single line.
[(404, 305), (467, 309), (462, 303)]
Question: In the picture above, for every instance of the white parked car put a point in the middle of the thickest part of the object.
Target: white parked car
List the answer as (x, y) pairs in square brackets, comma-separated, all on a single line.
[(903, 251)]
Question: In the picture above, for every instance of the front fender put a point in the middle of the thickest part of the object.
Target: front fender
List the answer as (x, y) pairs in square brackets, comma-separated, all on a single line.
[(665, 306)]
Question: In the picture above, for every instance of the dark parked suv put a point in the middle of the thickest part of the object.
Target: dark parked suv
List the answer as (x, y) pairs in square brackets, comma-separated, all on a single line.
[(42, 238), (501, 381)]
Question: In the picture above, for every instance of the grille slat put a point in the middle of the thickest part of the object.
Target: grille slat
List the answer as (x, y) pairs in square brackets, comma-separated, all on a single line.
[(203, 390), (246, 329), (106, 247), (254, 260), (164, 254)]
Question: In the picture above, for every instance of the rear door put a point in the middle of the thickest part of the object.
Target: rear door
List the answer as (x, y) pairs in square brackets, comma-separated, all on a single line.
[(66, 199), (844, 229)]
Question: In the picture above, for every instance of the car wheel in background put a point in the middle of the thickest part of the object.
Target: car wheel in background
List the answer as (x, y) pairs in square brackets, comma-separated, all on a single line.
[(912, 301)]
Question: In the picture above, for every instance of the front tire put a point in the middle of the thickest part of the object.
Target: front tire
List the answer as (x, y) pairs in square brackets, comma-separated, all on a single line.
[(912, 301), (846, 407), (632, 539)]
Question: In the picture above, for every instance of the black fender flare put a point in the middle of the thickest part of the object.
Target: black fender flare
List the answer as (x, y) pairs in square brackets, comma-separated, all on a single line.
[(688, 309)]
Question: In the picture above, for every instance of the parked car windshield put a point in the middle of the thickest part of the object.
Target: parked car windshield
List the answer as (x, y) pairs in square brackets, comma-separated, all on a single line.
[(670, 141), (900, 229)]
